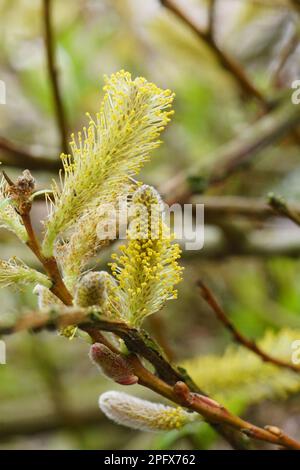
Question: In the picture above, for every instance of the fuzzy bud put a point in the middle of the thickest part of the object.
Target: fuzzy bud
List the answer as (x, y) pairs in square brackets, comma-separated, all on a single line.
[(274, 430), (112, 365), (91, 289), (100, 289), (25, 183), (116, 144), (21, 191), (141, 414), (148, 196)]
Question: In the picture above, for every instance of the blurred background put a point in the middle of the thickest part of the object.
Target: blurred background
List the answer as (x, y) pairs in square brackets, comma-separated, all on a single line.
[(233, 140)]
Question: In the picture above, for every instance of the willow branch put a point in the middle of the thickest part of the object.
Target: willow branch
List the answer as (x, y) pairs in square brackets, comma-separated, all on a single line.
[(296, 4), (220, 207), (211, 18), (280, 207), (21, 156), (208, 296), (225, 60), (178, 392), (234, 155), (23, 203), (50, 264), (268, 130), (53, 75)]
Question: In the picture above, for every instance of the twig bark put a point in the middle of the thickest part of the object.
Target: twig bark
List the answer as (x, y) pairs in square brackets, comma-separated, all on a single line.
[(58, 286), (280, 207), (283, 57), (266, 131), (23, 203), (208, 296), (53, 76), (212, 18), (132, 339), (20, 156), (174, 388), (227, 62)]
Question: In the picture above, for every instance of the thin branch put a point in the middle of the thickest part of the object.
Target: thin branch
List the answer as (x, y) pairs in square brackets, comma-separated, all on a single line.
[(280, 207), (208, 296), (234, 155), (141, 345), (283, 57), (178, 392), (53, 76), (58, 286), (269, 129), (23, 203), (21, 156), (212, 18), (220, 207), (225, 60), (296, 4)]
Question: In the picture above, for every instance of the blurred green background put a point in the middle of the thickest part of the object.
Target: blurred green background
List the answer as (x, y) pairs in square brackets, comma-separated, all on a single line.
[(48, 388)]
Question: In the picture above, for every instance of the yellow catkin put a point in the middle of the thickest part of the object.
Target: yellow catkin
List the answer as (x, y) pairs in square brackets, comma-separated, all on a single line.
[(115, 145), (84, 241), (147, 267)]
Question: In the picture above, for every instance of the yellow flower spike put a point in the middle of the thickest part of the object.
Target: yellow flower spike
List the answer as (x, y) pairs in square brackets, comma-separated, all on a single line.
[(140, 414), (147, 276), (116, 145)]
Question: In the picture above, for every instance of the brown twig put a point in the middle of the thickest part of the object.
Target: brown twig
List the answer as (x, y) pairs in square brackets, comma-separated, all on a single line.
[(174, 388), (208, 296), (234, 155), (53, 76), (296, 4), (21, 195), (267, 130), (20, 156), (159, 332), (58, 286), (225, 60), (219, 207), (280, 207), (283, 57), (212, 19), (132, 338)]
